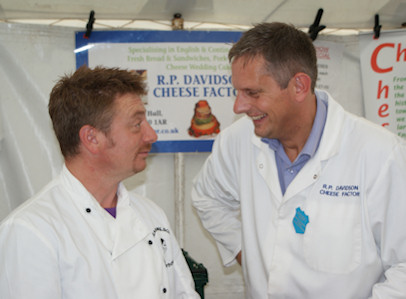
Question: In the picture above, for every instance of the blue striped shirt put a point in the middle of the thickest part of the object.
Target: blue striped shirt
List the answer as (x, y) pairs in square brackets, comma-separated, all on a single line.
[(288, 170)]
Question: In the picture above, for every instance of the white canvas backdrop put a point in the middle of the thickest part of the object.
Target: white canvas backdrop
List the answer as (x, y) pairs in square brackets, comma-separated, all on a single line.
[(32, 58)]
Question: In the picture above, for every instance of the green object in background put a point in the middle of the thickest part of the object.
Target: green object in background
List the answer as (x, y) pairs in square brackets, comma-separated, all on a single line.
[(199, 273)]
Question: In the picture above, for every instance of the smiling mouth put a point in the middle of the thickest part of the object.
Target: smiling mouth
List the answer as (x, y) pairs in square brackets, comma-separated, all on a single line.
[(258, 117)]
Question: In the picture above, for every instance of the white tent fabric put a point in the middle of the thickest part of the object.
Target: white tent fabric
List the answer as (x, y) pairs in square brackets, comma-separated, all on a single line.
[(29, 155), (337, 14)]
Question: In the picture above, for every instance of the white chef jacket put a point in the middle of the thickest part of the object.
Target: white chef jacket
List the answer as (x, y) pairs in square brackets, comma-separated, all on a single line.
[(63, 244), (353, 192)]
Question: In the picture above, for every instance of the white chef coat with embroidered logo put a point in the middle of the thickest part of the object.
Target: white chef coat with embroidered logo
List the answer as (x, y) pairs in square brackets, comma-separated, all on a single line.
[(353, 191), (63, 244)]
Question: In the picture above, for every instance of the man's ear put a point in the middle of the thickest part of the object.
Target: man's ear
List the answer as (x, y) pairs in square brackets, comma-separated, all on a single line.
[(89, 138), (302, 85)]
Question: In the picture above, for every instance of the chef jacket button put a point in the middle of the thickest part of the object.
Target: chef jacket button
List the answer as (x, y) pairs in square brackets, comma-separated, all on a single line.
[(150, 242), (261, 166), (315, 176), (164, 290), (88, 210)]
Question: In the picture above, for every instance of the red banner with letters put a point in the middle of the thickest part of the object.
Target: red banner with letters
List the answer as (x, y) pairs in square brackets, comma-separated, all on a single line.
[(383, 66)]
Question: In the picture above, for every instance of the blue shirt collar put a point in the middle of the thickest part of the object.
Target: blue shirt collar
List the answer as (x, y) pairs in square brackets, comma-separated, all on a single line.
[(313, 141)]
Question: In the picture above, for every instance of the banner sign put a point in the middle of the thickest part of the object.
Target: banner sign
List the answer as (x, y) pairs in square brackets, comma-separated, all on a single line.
[(329, 61), (190, 95), (383, 64)]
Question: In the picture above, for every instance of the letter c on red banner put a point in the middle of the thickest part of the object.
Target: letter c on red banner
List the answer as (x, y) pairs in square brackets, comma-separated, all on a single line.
[(374, 58)]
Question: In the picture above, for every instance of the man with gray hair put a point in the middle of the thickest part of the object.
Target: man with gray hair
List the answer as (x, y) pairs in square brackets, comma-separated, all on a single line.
[(308, 198)]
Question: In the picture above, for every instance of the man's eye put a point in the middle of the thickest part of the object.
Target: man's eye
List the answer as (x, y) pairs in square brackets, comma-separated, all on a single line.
[(252, 93)]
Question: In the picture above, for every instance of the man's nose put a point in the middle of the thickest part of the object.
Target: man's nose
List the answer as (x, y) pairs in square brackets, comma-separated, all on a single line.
[(150, 135), (241, 104)]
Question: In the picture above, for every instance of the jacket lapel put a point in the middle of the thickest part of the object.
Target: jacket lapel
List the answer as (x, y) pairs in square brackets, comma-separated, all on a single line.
[(130, 228), (329, 147)]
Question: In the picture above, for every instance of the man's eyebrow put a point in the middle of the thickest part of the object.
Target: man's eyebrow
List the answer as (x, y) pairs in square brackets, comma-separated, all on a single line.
[(138, 113), (252, 89)]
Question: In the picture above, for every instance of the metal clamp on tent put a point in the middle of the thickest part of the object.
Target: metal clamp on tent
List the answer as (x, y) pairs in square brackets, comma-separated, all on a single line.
[(377, 27), (315, 28), (177, 22), (89, 25)]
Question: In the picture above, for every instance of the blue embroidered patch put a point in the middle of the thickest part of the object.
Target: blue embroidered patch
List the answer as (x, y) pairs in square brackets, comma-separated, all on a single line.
[(300, 221)]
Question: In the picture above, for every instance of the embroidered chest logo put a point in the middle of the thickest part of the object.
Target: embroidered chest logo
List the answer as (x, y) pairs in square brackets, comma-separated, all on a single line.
[(340, 190), (162, 235)]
